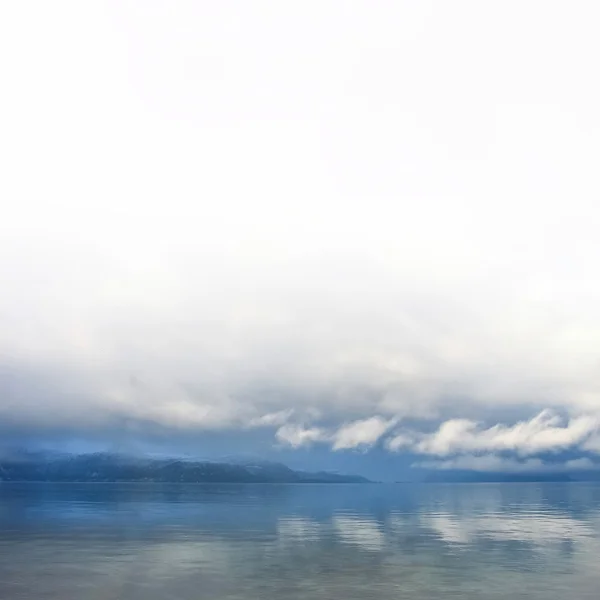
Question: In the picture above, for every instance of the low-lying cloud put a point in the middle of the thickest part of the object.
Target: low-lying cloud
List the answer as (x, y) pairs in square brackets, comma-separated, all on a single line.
[(503, 464), (358, 434), (546, 432), (466, 444)]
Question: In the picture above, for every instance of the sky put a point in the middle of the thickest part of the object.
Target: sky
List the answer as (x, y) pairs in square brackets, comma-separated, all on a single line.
[(357, 231)]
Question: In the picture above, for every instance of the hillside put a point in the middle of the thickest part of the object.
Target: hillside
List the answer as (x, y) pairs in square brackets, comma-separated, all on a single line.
[(104, 467)]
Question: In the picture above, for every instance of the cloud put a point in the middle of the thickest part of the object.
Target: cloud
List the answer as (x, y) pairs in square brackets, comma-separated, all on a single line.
[(357, 434), (204, 234), (502, 464), (363, 433), (489, 462), (545, 432), (271, 419), (297, 436)]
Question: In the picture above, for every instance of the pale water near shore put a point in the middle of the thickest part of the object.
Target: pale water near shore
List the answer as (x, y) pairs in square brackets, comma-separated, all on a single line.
[(150, 542)]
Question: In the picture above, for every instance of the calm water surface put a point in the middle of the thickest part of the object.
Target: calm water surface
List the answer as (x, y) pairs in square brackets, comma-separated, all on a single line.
[(147, 542)]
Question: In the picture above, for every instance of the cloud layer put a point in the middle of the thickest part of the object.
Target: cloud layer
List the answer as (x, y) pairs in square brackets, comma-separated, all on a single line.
[(544, 433), (209, 224)]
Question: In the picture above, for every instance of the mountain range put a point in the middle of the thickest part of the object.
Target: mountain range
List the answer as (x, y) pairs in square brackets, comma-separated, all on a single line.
[(106, 467)]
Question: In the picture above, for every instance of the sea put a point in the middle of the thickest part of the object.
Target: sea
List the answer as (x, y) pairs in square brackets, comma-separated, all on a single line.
[(399, 541)]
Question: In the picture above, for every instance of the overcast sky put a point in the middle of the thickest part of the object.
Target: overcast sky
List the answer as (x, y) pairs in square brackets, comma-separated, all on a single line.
[(323, 223)]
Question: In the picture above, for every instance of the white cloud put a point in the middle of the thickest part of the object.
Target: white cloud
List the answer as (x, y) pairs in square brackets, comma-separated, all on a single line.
[(363, 433), (503, 464), (271, 419), (297, 435), (401, 441), (592, 444), (545, 432), (357, 434), (487, 462)]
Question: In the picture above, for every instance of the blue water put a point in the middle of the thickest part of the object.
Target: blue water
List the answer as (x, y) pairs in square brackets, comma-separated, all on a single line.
[(138, 541)]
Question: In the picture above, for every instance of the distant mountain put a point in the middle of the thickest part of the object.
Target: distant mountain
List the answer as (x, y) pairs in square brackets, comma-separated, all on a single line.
[(103, 467), (460, 476)]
